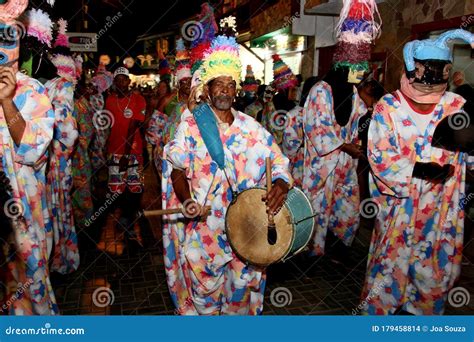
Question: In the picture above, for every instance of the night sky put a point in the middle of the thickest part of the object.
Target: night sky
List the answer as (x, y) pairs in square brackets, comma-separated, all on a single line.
[(138, 17)]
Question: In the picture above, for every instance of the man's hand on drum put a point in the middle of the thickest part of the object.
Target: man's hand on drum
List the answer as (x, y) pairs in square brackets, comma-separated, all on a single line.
[(276, 197)]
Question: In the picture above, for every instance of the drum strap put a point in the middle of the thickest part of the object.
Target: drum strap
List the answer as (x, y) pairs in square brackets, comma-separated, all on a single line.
[(207, 125)]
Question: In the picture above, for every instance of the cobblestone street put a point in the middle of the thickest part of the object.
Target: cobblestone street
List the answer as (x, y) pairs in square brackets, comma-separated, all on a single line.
[(136, 283)]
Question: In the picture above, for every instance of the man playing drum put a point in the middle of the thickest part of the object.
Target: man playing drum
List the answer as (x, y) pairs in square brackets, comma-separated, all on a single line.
[(203, 273)]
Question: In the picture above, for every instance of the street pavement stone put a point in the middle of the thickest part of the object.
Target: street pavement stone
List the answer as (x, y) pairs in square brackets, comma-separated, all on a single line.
[(135, 276)]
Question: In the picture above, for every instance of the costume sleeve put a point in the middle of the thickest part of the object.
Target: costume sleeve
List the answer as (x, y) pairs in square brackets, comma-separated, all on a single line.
[(152, 131), (35, 108), (470, 162), (293, 135), (156, 130), (391, 167), (319, 121), (178, 151)]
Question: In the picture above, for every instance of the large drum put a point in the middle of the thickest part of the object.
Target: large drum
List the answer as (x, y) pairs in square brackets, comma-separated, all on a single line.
[(247, 227)]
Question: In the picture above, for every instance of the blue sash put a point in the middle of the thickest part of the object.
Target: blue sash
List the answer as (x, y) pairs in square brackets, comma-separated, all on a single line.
[(207, 124)]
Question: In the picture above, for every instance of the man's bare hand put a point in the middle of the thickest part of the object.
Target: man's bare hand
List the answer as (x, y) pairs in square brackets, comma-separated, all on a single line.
[(277, 196), (354, 150), (195, 94), (7, 84)]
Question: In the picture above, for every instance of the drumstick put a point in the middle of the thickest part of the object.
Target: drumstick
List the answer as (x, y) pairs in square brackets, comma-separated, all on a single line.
[(170, 211), (272, 236)]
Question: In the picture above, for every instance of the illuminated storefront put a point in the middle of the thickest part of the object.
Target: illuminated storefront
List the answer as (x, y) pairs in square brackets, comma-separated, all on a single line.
[(290, 47)]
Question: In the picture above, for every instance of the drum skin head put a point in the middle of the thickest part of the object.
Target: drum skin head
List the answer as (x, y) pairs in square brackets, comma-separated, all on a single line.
[(247, 227)]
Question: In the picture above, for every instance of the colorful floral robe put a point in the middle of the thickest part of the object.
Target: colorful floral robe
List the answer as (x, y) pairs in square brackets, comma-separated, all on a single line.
[(65, 257), (25, 164), (155, 135), (292, 145), (204, 275), (415, 254), (330, 175), (102, 121), (174, 120), (253, 108), (81, 164), (274, 121)]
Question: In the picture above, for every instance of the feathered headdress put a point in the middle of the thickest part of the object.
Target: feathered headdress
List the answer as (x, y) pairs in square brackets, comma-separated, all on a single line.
[(37, 41), (205, 29), (222, 58), (359, 25), (103, 79), (39, 26), (78, 61), (61, 38), (61, 57)]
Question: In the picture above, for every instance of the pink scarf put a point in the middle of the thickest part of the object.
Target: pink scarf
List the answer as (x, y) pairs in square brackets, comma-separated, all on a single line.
[(422, 93)]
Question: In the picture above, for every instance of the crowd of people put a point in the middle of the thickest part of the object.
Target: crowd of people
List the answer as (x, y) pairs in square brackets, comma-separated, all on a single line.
[(69, 143)]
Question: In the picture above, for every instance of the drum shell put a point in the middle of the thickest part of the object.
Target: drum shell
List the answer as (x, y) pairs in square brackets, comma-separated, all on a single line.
[(302, 218)]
